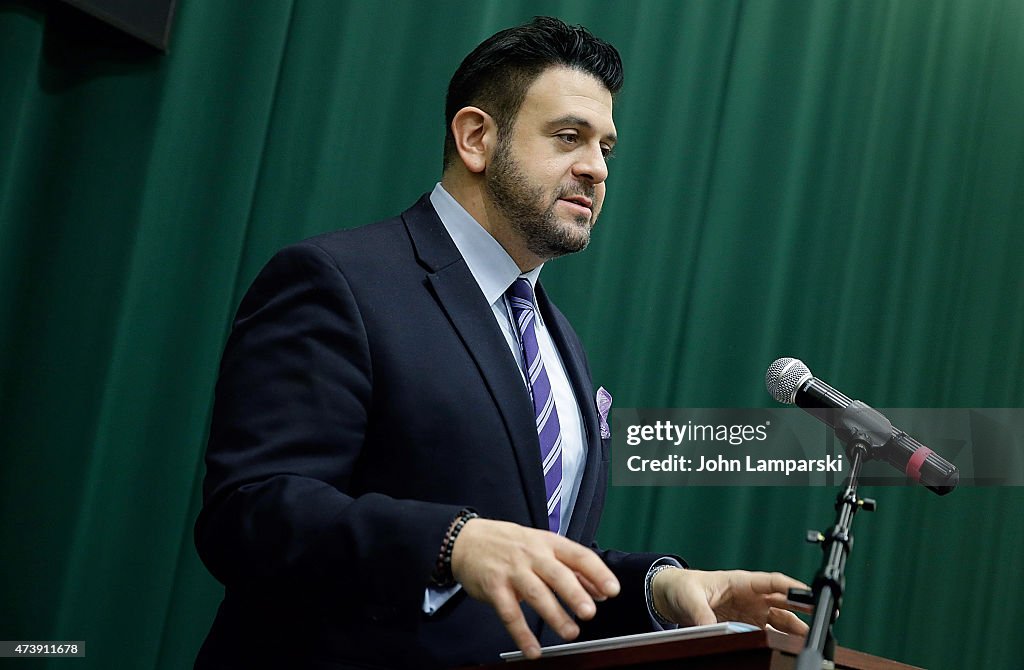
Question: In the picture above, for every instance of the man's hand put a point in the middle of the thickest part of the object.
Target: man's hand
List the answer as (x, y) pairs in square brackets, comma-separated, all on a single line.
[(502, 563), (695, 598)]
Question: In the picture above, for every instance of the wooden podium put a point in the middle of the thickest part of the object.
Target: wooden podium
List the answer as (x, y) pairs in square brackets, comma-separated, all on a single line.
[(756, 650)]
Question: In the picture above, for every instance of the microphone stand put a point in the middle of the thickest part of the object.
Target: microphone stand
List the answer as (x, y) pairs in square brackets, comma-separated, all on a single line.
[(864, 431)]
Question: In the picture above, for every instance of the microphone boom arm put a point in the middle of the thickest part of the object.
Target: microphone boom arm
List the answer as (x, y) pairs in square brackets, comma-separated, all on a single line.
[(863, 431)]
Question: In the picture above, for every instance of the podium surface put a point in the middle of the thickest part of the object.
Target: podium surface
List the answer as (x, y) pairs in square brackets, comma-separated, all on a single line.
[(759, 649)]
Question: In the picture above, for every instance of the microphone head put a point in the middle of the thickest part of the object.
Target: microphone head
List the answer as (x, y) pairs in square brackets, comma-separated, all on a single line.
[(785, 377)]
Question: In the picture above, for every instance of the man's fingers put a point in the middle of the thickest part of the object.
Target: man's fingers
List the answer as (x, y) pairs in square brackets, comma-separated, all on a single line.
[(511, 615), (774, 582), (505, 564), (594, 592), (786, 621), (782, 601), (775, 587), (587, 564), (534, 591), (567, 585)]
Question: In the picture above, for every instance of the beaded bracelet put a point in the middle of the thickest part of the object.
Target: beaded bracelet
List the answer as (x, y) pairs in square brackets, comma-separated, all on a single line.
[(442, 575)]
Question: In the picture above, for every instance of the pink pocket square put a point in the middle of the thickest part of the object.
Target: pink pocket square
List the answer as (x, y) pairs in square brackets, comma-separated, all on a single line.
[(604, 405)]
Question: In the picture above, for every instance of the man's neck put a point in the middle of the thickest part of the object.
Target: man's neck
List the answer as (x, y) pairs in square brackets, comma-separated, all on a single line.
[(470, 192)]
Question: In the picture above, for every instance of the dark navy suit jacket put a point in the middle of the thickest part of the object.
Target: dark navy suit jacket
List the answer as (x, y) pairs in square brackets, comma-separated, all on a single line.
[(366, 395)]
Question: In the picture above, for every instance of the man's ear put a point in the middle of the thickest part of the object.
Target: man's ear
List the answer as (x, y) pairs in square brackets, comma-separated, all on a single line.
[(475, 135)]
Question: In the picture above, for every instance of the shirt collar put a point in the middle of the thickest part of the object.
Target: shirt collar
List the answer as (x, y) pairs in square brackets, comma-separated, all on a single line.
[(491, 266)]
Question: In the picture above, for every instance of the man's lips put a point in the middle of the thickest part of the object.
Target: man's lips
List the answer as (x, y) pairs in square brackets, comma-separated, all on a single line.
[(580, 200)]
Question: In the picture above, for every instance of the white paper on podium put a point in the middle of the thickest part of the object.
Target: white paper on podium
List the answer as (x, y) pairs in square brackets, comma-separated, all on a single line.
[(637, 640)]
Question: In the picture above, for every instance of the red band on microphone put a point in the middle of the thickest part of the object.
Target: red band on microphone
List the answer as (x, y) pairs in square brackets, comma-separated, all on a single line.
[(916, 461)]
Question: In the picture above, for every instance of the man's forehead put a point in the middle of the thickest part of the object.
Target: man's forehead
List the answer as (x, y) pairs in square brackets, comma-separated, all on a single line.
[(562, 93)]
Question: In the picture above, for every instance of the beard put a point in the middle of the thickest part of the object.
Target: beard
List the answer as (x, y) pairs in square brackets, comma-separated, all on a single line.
[(524, 206)]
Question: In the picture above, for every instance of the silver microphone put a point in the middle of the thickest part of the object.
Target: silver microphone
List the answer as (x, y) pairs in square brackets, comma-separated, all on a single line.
[(789, 381)]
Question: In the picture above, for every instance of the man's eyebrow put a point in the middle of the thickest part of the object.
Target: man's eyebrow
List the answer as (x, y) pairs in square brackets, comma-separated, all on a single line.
[(572, 120)]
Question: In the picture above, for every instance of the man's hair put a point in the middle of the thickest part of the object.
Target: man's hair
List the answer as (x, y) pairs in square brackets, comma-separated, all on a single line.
[(496, 75)]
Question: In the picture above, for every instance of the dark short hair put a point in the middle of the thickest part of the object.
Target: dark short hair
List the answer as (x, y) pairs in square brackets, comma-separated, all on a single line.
[(496, 75)]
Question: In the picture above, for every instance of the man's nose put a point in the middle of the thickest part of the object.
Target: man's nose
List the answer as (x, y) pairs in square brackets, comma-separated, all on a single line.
[(591, 166)]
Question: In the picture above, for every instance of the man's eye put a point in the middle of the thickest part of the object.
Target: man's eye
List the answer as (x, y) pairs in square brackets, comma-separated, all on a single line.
[(569, 138), (606, 151)]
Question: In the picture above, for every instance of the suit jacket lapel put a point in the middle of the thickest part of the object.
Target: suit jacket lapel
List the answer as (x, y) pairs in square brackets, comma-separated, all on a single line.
[(460, 298), (582, 387)]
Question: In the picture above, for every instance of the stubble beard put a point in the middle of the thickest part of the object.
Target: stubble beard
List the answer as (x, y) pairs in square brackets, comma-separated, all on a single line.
[(522, 205)]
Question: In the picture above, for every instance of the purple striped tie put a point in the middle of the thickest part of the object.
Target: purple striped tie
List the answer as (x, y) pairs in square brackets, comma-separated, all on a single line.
[(520, 298)]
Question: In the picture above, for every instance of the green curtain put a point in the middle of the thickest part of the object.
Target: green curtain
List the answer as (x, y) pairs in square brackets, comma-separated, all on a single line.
[(838, 181)]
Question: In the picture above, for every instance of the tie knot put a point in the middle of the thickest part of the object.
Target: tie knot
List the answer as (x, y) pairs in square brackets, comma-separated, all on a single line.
[(520, 295)]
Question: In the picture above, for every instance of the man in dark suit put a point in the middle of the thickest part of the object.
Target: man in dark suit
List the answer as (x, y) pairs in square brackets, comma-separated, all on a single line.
[(406, 443)]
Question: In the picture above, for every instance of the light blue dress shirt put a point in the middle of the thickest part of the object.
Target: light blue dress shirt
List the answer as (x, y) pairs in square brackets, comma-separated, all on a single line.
[(494, 271)]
